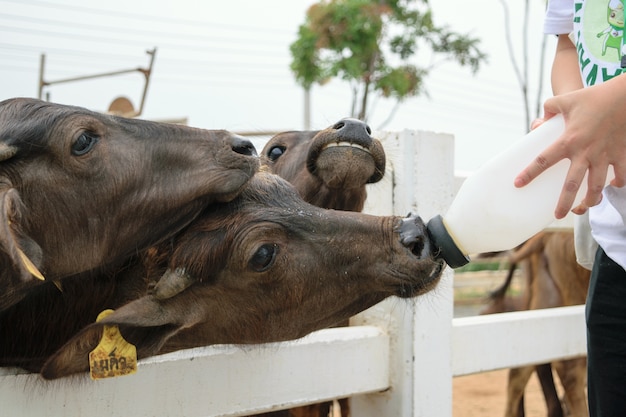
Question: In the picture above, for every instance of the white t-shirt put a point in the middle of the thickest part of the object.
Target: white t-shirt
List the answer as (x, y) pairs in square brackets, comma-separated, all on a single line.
[(597, 29)]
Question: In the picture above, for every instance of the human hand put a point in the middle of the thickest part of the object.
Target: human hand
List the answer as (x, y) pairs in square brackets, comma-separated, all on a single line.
[(541, 164), (594, 138)]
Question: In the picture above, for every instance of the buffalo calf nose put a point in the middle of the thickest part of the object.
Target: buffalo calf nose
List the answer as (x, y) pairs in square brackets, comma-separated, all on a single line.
[(243, 146), (352, 128)]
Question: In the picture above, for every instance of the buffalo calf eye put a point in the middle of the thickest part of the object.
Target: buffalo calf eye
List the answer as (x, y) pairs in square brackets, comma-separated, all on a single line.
[(84, 143), (275, 152), (264, 257)]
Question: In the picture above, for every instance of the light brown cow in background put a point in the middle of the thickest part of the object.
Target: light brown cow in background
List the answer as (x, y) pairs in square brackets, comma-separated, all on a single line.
[(553, 279)]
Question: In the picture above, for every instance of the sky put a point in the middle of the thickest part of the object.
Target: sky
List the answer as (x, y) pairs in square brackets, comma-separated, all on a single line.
[(225, 65)]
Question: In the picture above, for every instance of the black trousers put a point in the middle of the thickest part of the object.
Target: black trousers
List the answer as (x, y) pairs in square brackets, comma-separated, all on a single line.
[(606, 338)]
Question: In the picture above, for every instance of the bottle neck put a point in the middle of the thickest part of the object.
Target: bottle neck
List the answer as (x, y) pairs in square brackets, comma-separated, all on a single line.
[(446, 247)]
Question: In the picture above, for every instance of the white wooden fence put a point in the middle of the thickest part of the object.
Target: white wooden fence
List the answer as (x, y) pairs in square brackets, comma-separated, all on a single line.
[(398, 359)]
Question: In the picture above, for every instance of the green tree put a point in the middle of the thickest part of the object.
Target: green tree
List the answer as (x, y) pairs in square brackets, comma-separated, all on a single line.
[(372, 44)]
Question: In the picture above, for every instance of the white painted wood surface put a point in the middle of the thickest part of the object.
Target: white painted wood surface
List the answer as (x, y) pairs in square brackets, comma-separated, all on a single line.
[(215, 381), (422, 164), (495, 341)]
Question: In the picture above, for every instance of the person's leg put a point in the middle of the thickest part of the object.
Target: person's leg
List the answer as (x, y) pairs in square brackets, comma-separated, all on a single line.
[(606, 338)]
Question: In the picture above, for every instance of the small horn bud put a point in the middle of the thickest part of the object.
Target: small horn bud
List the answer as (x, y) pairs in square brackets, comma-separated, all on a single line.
[(7, 151), (172, 283)]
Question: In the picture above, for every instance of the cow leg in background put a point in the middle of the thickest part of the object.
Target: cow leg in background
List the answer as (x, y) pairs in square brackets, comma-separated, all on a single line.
[(518, 379), (344, 406), (520, 409), (573, 376), (544, 373)]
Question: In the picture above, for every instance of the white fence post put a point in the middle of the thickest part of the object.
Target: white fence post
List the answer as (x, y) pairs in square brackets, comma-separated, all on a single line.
[(420, 329)]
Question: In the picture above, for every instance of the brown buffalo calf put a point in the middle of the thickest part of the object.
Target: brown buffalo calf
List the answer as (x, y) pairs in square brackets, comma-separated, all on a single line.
[(263, 267), (79, 189), (331, 167)]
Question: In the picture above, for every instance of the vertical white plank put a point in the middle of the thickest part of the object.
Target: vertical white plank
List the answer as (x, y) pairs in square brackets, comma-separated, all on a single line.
[(420, 329)]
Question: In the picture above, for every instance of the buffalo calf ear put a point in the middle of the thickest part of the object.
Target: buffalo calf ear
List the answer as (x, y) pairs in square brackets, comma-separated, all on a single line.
[(146, 323), (73, 357), (18, 253)]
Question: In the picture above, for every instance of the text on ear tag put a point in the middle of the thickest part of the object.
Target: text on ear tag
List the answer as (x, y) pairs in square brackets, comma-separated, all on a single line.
[(113, 356)]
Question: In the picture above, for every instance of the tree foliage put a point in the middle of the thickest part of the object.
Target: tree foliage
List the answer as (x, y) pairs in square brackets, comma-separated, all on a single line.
[(373, 45)]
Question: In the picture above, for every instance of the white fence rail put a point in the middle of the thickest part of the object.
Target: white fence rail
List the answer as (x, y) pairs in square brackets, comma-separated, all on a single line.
[(398, 360)]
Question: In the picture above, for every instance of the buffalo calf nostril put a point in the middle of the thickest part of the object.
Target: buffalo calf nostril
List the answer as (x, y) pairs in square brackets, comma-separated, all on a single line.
[(408, 232), (339, 125), (413, 237), (243, 147), (418, 248), (352, 128)]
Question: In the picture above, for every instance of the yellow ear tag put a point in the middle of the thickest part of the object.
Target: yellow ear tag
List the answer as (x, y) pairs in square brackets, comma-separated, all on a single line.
[(30, 266), (113, 356)]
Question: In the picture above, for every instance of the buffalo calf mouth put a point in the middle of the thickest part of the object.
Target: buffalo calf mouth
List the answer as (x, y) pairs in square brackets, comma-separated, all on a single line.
[(345, 144)]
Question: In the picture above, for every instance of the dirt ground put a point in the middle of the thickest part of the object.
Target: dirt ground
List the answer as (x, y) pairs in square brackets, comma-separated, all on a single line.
[(484, 395)]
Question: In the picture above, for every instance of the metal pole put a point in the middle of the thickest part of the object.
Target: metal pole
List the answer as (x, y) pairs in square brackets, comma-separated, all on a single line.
[(147, 73), (307, 108), (42, 63), (88, 77)]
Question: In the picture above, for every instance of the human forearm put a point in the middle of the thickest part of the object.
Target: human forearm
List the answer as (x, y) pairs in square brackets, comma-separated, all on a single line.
[(565, 72)]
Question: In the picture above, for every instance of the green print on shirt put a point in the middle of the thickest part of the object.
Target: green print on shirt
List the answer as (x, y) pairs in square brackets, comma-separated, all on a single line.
[(612, 35), (599, 27), (590, 70)]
